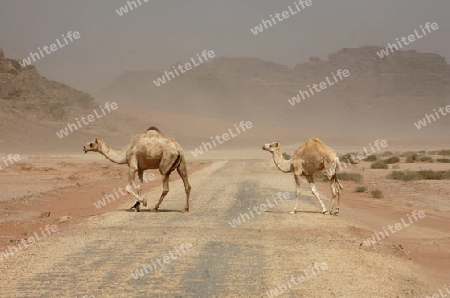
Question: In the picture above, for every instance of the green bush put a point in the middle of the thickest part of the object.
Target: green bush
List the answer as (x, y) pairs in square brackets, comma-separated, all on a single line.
[(444, 160), (379, 165), (361, 189), (411, 158), (426, 159), (376, 193), (347, 158), (391, 160), (371, 157)]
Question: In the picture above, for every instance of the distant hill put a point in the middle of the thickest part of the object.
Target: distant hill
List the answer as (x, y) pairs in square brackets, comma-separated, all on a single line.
[(33, 108), (381, 95)]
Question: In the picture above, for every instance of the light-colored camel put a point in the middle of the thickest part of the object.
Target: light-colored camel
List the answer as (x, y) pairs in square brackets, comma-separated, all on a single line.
[(150, 150), (313, 156)]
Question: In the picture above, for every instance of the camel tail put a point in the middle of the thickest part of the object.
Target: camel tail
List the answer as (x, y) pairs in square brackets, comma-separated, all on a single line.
[(177, 162)]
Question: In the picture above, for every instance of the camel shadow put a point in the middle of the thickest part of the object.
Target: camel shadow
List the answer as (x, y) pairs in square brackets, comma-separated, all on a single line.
[(150, 211), (288, 212)]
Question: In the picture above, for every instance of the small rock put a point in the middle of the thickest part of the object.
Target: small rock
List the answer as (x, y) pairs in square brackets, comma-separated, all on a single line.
[(45, 214), (64, 219)]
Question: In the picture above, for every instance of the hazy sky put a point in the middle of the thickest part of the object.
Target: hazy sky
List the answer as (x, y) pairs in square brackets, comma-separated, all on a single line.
[(158, 33)]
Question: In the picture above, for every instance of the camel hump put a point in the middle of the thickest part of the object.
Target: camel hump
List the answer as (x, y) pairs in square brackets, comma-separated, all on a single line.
[(153, 128), (316, 140)]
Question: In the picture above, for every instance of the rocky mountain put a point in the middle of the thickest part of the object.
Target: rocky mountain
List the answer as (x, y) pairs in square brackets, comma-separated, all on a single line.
[(33, 108), (381, 95)]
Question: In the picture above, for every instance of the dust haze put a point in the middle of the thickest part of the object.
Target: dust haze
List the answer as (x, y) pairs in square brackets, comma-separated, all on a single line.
[(223, 78)]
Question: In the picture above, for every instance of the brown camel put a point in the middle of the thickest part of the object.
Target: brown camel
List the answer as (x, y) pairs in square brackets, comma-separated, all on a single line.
[(313, 156), (150, 150)]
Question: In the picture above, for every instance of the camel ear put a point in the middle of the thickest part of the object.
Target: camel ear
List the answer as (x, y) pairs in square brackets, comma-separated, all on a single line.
[(96, 140), (276, 144)]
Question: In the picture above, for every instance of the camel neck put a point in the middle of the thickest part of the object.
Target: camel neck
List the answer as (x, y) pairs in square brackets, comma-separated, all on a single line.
[(119, 157), (282, 164)]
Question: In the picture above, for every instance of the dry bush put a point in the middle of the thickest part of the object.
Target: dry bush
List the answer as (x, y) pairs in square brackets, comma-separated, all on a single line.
[(379, 165)]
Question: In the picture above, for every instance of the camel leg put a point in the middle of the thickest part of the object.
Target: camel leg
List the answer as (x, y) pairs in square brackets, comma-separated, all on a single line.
[(315, 192), (182, 171), (336, 187), (139, 187), (165, 191), (298, 190), (129, 188)]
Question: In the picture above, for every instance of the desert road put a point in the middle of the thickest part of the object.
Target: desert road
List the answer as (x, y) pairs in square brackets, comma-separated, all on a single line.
[(271, 253)]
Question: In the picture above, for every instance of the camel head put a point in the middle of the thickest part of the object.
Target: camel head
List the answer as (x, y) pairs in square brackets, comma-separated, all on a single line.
[(271, 147), (92, 146)]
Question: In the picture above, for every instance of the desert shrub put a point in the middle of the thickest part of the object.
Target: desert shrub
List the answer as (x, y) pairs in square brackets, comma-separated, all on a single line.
[(347, 158), (361, 189), (434, 175), (350, 176), (411, 158), (371, 157), (376, 193), (391, 160), (419, 175), (423, 152), (444, 152), (406, 175), (396, 167), (408, 153), (426, 159), (386, 153), (444, 160), (345, 176), (379, 165)]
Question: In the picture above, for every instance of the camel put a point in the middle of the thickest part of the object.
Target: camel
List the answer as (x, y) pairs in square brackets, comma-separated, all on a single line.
[(150, 150), (313, 156)]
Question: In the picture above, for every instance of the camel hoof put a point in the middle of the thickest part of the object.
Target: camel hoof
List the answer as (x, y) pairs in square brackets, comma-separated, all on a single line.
[(186, 210), (154, 210), (292, 212), (325, 211), (136, 206)]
